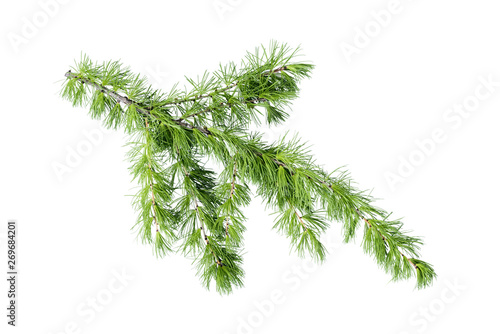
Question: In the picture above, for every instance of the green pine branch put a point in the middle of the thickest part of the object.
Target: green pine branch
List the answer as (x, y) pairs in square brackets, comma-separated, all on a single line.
[(185, 207)]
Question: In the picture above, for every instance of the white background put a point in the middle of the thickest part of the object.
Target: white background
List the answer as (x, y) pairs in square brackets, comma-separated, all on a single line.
[(365, 111)]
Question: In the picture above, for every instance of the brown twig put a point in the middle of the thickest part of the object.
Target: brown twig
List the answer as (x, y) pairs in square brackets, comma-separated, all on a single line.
[(279, 69), (300, 219)]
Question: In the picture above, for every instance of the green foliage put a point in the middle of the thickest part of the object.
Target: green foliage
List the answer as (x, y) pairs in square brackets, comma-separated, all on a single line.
[(185, 207)]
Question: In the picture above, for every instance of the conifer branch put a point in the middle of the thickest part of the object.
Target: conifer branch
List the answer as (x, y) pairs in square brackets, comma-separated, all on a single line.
[(172, 132), (383, 259), (129, 102), (279, 163), (109, 92)]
